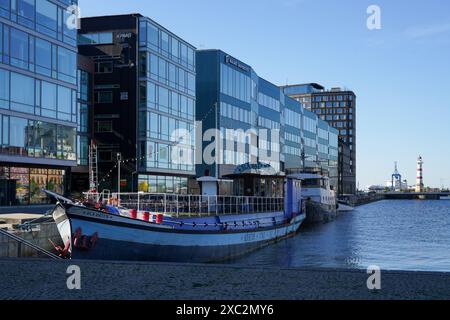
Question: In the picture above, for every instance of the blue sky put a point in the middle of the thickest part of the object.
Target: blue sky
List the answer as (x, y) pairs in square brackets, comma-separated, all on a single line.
[(401, 73)]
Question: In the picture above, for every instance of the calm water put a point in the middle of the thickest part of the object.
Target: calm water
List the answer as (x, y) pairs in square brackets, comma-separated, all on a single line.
[(395, 235)]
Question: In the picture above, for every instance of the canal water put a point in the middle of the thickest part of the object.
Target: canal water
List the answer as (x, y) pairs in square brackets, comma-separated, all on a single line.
[(394, 235)]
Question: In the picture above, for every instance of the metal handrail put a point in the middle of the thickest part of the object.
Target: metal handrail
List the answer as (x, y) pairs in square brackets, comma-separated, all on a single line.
[(29, 244), (178, 204)]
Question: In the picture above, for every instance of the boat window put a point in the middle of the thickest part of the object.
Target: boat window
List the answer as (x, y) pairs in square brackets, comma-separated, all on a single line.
[(311, 183)]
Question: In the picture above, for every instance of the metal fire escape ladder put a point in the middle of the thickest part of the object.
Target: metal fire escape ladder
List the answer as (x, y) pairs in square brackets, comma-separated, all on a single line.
[(93, 167)]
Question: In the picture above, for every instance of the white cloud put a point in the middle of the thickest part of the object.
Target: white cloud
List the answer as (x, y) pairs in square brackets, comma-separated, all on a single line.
[(427, 31)]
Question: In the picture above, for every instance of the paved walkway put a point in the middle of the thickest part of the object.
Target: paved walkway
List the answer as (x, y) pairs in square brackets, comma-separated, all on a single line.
[(45, 279)]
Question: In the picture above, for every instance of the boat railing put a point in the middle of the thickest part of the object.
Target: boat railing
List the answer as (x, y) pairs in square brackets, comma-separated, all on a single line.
[(195, 205), (99, 197)]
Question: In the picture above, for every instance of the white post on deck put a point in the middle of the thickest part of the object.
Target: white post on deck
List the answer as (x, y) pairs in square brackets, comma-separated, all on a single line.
[(165, 203), (189, 205), (178, 206), (138, 201), (209, 208)]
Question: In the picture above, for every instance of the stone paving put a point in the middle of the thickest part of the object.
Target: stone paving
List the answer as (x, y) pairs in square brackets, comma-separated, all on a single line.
[(46, 279)]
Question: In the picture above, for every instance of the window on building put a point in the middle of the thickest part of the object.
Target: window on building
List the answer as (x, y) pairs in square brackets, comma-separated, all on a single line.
[(19, 49), (64, 103), (105, 156), (153, 36), (163, 99), (67, 65), (164, 42), (25, 10), (4, 8), (95, 38), (46, 17), (48, 99), (84, 118), (43, 57), (175, 48), (22, 93), (104, 126), (103, 96), (4, 89), (104, 67)]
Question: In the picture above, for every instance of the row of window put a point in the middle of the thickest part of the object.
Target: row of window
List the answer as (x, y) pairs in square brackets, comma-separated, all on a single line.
[(294, 151), (167, 45), (21, 50), (159, 98), (25, 94), (269, 102), (28, 185), (268, 145), (344, 132), (342, 104), (161, 127), (293, 137), (159, 69), (236, 84), (341, 124), (309, 124), (323, 134), (336, 117), (37, 139), (268, 123), (42, 16), (236, 113), (334, 111), (293, 119), (95, 38), (163, 184), (159, 156), (322, 148), (333, 98)]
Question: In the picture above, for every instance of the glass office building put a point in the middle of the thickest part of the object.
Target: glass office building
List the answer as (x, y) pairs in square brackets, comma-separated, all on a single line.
[(338, 108), (38, 109), (280, 137), (144, 88)]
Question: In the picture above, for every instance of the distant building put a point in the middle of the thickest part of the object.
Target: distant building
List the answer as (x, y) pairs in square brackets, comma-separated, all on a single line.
[(230, 95), (338, 108), (399, 185), (345, 175)]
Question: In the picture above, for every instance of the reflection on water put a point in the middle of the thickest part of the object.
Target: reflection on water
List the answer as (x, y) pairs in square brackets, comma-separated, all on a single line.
[(396, 235)]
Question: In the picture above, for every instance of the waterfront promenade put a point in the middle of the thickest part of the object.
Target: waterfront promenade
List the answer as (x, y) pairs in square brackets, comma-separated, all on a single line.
[(46, 279)]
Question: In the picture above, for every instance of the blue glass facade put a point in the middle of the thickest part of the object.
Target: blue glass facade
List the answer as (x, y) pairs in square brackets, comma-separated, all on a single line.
[(338, 108), (230, 95), (167, 99), (38, 108)]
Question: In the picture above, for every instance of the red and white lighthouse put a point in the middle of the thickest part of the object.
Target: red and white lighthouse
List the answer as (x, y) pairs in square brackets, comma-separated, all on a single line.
[(419, 181)]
